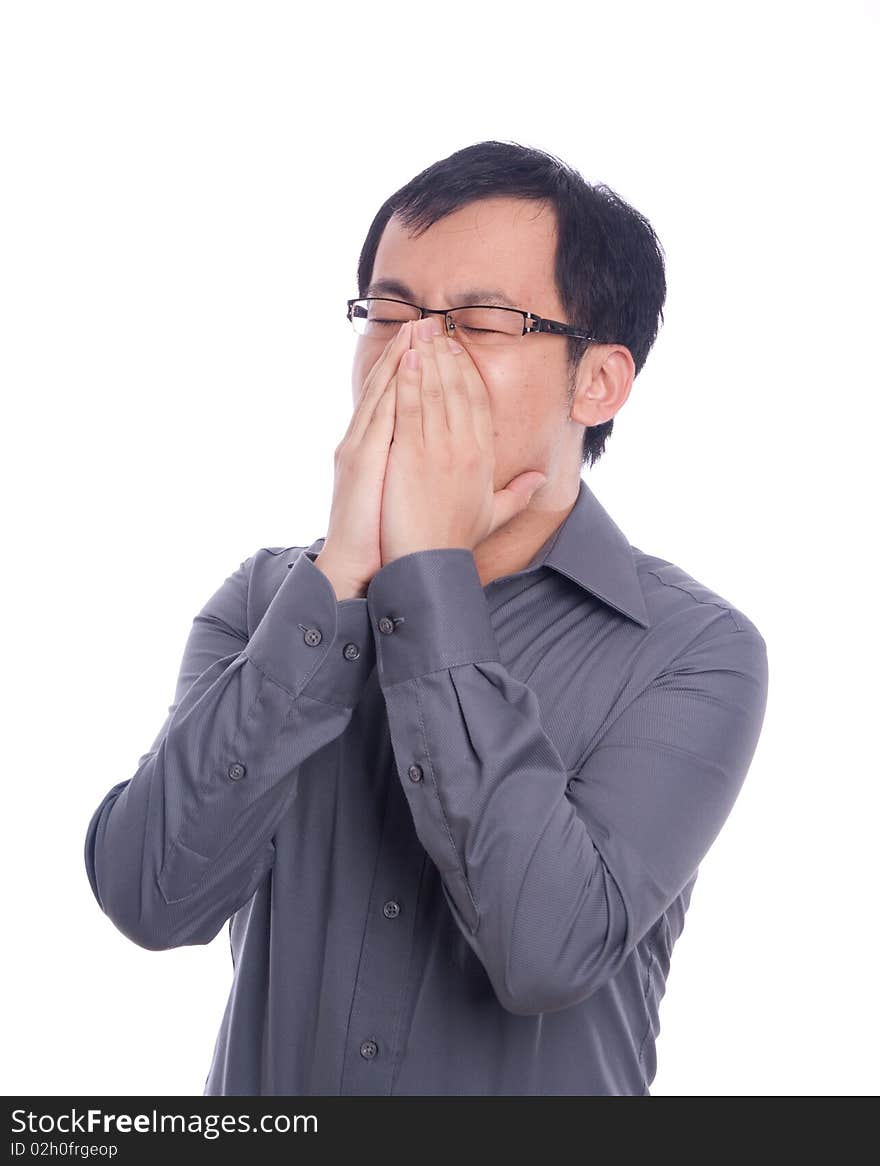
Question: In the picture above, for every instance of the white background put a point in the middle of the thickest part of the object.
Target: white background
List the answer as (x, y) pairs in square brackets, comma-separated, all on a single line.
[(186, 190)]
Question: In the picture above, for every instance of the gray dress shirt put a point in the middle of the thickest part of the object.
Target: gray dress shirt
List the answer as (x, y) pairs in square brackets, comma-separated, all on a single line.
[(454, 829)]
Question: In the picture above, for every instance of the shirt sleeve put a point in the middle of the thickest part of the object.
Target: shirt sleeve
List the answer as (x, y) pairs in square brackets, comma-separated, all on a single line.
[(172, 852), (552, 888)]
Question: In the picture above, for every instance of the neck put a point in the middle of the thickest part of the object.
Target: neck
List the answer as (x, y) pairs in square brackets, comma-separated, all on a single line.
[(512, 546)]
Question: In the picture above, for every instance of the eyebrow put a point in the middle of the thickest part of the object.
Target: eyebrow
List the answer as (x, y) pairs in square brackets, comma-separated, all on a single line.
[(470, 295)]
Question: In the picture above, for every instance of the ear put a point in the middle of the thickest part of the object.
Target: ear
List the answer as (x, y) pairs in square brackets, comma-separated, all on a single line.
[(602, 385)]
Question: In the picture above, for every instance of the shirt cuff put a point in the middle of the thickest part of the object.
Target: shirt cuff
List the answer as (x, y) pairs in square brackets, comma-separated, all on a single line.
[(428, 611), (309, 642)]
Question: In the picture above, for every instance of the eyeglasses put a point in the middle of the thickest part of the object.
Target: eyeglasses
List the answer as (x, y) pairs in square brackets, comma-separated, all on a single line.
[(379, 318)]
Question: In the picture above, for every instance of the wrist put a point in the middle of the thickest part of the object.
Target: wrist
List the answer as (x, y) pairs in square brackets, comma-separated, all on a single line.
[(343, 586)]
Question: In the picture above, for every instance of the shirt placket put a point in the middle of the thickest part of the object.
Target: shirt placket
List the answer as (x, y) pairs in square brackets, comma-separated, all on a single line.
[(375, 1029)]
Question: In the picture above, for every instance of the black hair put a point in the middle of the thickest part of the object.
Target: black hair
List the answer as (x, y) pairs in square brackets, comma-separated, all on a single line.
[(609, 265)]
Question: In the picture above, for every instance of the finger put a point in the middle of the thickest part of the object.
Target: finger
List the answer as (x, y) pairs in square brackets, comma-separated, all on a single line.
[(408, 411), (456, 395), (377, 379), (478, 397), (435, 426), (381, 424), (383, 369)]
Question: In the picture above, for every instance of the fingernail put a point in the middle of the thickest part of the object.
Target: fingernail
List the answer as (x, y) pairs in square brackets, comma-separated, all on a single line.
[(454, 346)]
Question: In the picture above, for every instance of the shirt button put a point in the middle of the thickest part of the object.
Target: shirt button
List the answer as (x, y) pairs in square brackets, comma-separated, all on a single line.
[(570, 783), (386, 625), (351, 651), (236, 771), (391, 909), (312, 636), (415, 773), (369, 1048)]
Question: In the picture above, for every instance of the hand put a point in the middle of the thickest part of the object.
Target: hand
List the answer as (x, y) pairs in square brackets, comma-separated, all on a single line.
[(351, 552), (439, 482)]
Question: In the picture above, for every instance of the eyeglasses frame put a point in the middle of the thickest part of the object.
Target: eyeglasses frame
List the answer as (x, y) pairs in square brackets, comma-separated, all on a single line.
[(531, 321)]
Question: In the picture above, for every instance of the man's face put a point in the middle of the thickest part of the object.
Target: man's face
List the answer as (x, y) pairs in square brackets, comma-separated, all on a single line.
[(506, 244)]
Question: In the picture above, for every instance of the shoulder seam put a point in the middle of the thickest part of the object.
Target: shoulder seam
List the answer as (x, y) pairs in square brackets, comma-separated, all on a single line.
[(280, 550), (726, 607)]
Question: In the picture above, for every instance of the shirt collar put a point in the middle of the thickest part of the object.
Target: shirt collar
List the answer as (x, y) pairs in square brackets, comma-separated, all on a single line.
[(589, 548)]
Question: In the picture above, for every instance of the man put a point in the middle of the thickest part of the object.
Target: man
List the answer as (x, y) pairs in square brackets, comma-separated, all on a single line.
[(449, 772)]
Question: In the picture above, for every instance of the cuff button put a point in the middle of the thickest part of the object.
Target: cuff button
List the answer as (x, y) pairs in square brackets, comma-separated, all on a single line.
[(387, 626), (351, 651)]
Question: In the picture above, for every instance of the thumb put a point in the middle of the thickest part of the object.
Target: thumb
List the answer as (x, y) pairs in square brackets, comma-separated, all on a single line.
[(525, 485), (516, 496)]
